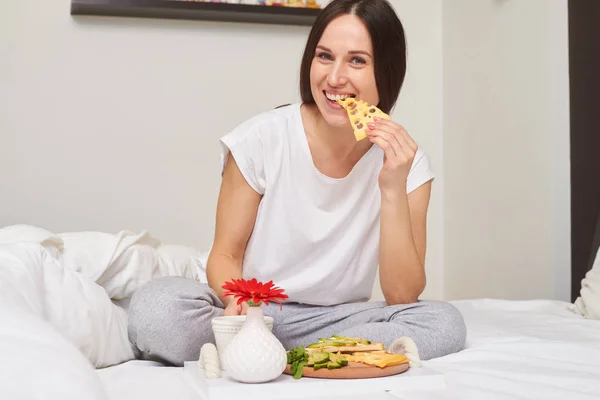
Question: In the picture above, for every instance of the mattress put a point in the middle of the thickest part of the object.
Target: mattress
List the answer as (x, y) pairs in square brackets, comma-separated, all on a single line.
[(537, 349)]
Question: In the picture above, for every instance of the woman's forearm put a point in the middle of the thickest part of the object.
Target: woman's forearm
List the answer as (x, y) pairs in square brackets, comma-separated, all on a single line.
[(401, 271), (222, 267)]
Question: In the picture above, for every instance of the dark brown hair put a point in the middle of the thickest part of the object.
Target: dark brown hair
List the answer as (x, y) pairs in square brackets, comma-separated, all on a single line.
[(387, 37)]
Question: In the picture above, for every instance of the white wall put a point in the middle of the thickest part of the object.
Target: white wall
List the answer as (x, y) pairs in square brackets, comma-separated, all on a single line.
[(506, 149), (113, 123)]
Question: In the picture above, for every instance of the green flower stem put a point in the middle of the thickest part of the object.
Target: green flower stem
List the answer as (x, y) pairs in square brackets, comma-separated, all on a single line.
[(251, 303)]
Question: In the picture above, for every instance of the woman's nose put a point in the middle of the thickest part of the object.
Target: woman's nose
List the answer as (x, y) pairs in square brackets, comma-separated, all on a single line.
[(337, 75)]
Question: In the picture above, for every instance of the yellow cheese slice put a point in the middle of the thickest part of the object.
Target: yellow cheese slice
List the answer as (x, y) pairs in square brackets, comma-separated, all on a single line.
[(377, 359), (360, 113)]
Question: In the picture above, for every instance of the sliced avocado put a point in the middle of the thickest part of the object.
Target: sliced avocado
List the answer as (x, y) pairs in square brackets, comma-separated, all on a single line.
[(333, 365), (328, 343), (317, 357), (337, 343), (319, 366), (321, 357), (338, 358), (351, 339)]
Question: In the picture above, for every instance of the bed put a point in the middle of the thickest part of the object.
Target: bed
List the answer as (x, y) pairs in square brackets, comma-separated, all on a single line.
[(63, 333), (515, 349)]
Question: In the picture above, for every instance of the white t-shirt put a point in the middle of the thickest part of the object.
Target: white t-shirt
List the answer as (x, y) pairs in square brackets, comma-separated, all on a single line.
[(315, 236)]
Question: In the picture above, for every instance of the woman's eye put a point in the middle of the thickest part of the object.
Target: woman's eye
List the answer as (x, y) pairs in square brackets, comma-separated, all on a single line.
[(358, 60), (324, 56)]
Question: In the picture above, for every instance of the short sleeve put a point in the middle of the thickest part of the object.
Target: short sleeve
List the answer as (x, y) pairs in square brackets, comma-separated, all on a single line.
[(247, 148), (420, 171)]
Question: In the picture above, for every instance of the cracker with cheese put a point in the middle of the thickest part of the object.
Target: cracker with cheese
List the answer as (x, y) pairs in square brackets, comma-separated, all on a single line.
[(357, 350), (360, 113)]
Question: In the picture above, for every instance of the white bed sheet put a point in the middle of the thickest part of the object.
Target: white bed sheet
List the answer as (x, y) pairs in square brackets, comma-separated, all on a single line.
[(521, 350), (515, 350), (146, 380)]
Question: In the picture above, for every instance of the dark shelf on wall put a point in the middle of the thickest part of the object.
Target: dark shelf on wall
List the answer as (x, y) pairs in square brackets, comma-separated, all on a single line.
[(192, 10)]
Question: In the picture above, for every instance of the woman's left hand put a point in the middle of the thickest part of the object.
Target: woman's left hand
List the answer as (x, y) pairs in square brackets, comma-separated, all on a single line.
[(399, 152)]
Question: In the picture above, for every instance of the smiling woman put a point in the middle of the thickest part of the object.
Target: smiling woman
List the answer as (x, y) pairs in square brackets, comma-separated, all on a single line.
[(366, 34), (317, 210)]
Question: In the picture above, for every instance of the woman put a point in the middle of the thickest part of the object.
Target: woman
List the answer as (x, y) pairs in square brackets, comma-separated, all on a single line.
[(303, 203)]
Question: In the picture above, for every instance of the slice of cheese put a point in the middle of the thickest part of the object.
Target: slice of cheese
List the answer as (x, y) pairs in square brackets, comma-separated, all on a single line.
[(360, 113), (377, 359)]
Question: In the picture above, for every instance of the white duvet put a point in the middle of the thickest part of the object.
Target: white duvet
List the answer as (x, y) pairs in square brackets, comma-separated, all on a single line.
[(70, 283), (59, 321)]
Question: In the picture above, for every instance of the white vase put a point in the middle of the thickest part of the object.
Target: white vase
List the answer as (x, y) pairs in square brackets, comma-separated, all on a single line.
[(255, 355), (225, 328)]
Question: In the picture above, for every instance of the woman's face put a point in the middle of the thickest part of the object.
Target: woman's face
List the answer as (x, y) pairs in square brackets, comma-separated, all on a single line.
[(343, 66)]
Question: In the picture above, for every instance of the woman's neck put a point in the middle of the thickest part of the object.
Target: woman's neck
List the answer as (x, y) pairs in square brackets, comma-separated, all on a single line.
[(339, 142)]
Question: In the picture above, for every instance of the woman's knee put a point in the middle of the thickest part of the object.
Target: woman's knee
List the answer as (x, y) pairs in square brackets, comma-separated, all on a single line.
[(170, 319), (450, 325), (454, 324)]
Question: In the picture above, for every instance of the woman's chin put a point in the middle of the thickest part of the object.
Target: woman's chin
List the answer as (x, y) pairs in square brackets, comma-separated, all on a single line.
[(336, 123), (334, 119)]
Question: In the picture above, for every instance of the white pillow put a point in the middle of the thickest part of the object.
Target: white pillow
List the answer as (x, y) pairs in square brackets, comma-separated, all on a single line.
[(588, 304), (37, 284), (123, 262), (32, 234), (71, 280), (38, 363)]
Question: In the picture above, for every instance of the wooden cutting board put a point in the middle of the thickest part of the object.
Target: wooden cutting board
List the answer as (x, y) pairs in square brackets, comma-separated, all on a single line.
[(351, 371)]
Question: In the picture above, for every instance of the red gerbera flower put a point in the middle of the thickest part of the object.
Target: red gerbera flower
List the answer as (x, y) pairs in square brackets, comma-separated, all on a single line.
[(253, 292)]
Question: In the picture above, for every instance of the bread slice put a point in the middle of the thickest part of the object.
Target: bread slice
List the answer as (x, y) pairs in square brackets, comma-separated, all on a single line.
[(360, 113)]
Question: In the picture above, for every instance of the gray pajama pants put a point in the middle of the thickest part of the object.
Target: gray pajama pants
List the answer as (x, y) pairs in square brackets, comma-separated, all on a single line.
[(170, 320)]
